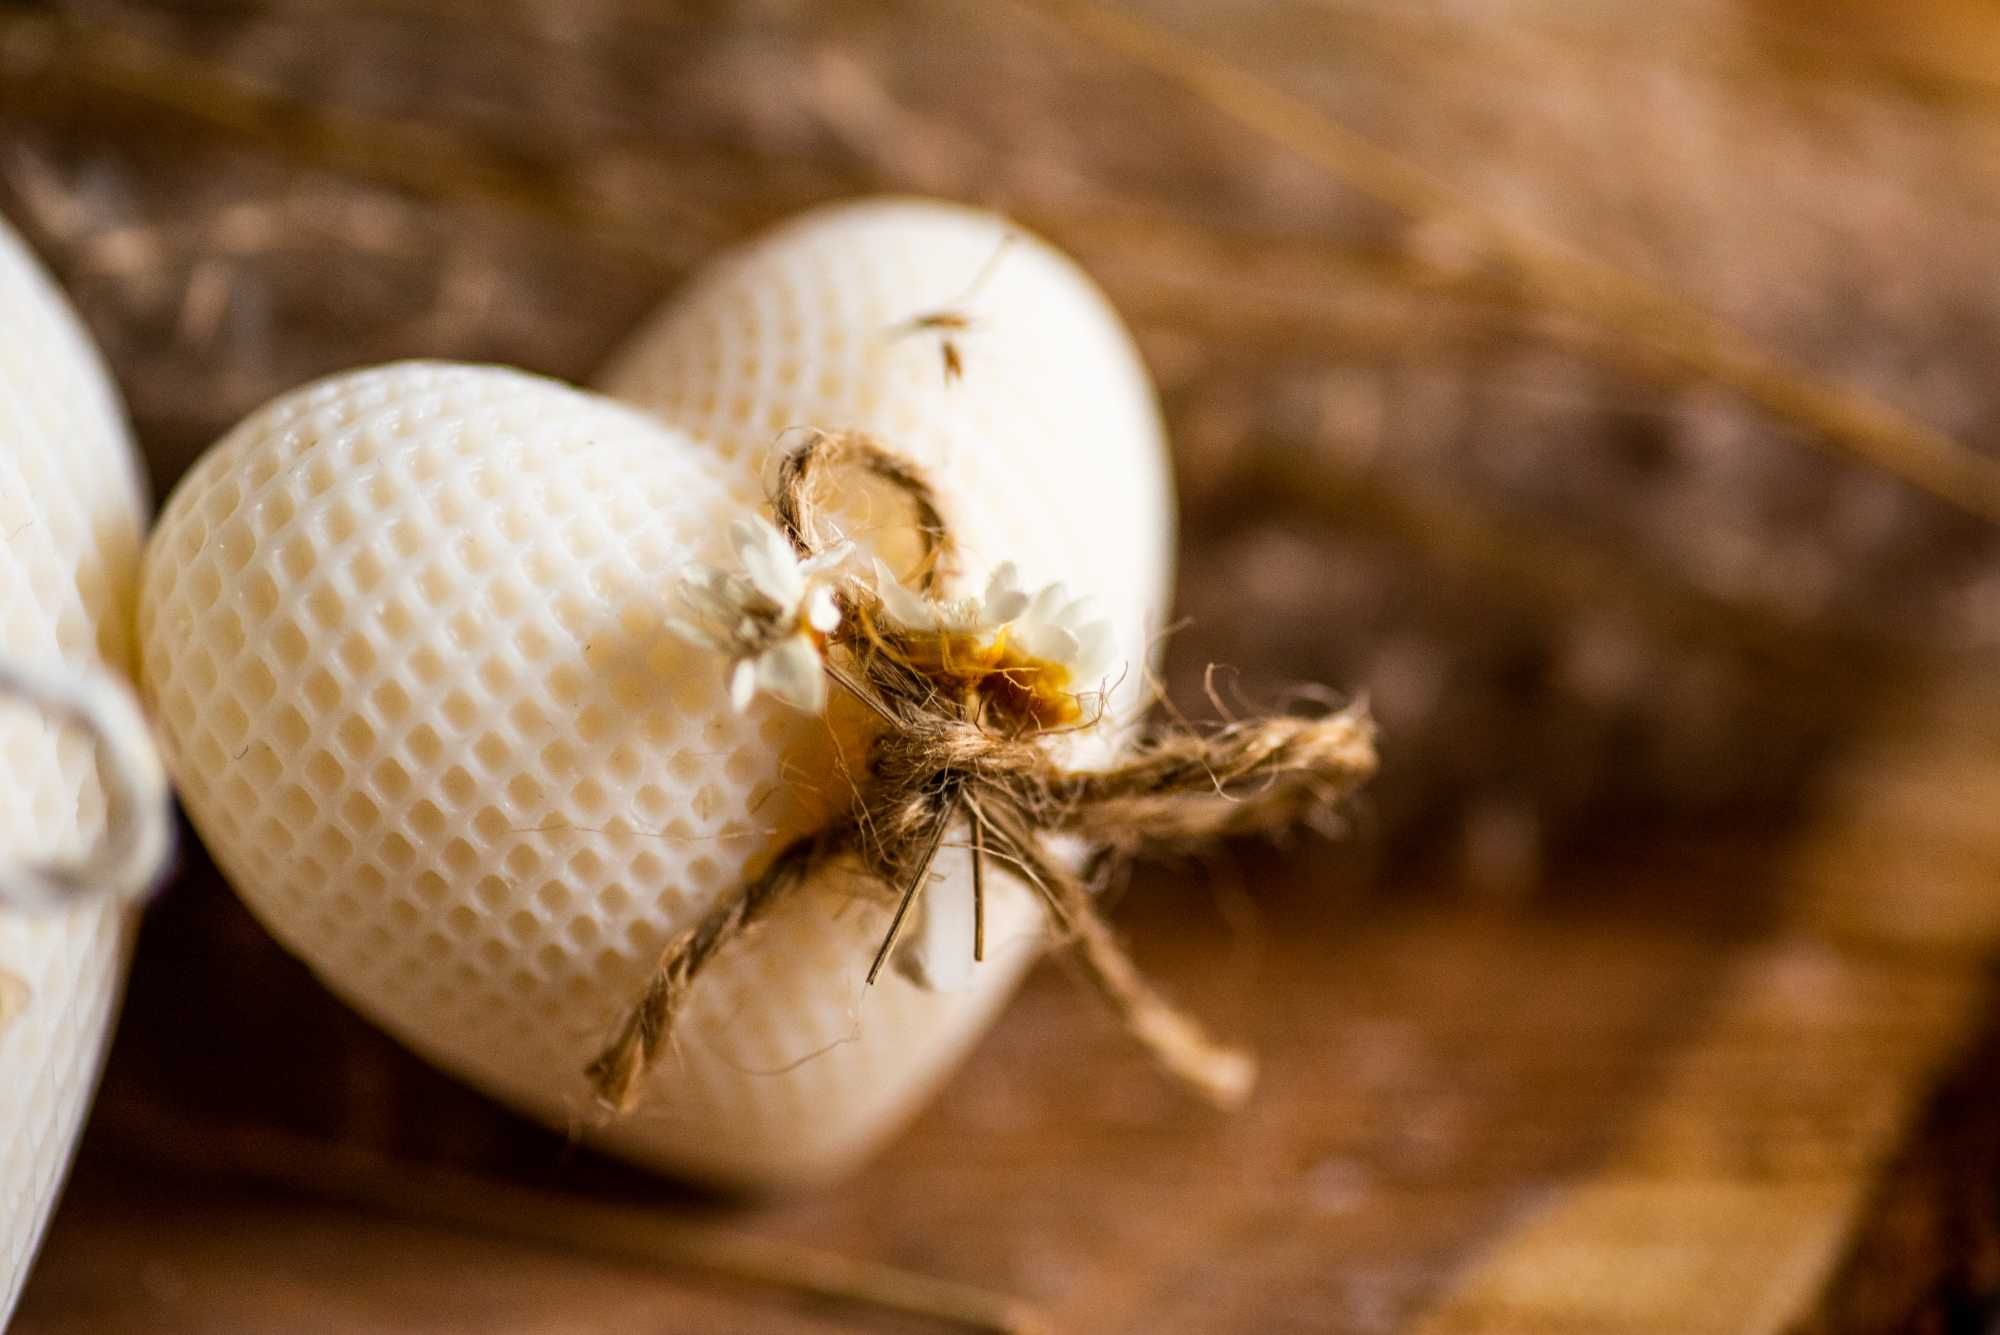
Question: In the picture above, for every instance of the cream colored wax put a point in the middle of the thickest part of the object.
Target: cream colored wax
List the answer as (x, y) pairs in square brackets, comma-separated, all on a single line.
[(405, 633), (71, 516)]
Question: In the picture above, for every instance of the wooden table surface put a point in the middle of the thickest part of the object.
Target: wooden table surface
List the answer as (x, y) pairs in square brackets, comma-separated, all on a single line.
[(1689, 1088)]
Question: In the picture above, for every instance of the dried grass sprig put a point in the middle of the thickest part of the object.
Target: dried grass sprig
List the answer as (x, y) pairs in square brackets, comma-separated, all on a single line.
[(1835, 416), (969, 735)]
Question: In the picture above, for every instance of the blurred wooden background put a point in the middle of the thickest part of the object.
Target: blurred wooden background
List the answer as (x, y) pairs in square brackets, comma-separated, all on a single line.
[(1688, 823)]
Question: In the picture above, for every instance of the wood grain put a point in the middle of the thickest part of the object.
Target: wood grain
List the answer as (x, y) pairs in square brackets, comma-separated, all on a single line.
[(1733, 1191)]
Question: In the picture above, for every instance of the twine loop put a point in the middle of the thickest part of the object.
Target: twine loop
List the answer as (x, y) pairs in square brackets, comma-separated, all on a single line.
[(137, 842)]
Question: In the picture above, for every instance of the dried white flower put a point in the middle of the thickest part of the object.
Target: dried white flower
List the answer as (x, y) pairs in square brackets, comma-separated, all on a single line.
[(980, 618), (1049, 626), (770, 618), (1060, 629)]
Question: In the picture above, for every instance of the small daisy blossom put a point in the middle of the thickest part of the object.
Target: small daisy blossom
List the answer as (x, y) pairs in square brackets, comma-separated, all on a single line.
[(1037, 650), (979, 618), (1060, 629), (770, 617)]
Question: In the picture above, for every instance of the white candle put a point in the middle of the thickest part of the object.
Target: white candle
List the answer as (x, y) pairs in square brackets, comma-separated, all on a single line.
[(71, 518), (405, 631)]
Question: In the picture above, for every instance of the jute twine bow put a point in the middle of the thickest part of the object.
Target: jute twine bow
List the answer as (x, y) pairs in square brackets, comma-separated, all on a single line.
[(970, 742), (137, 842)]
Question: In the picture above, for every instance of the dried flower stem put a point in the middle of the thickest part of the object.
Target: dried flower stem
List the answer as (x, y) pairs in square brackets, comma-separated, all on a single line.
[(978, 824), (939, 755), (913, 888), (951, 319)]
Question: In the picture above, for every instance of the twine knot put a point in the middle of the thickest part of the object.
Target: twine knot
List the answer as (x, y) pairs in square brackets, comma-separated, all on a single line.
[(967, 720)]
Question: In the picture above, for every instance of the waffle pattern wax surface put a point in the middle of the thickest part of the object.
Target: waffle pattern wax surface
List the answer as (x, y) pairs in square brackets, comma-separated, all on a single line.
[(71, 516), (405, 633)]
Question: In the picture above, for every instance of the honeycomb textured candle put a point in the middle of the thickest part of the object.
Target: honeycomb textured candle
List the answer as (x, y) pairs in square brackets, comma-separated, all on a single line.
[(71, 514), (405, 633)]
